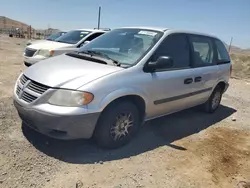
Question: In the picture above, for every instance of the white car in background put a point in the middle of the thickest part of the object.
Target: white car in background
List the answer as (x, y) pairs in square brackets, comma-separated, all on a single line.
[(52, 37), (68, 42)]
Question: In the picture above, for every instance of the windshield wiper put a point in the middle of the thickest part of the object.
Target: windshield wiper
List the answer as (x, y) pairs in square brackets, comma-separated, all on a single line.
[(78, 55), (100, 54)]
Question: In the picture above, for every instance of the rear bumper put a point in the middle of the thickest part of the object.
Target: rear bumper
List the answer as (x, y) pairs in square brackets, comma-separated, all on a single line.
[(59, 126)]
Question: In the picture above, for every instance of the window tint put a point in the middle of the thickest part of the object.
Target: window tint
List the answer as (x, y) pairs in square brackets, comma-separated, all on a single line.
[(92, 37), (176, 47), (203, 50), (55, 36), (222, 52), (72, 37)]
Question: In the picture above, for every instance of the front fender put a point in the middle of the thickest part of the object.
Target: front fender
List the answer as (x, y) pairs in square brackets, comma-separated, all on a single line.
[(122, 92)]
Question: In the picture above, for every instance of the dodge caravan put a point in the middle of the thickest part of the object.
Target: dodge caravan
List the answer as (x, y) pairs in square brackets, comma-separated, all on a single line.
[(109, 87)]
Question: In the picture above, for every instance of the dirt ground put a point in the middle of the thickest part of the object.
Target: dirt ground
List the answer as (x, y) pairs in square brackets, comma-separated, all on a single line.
[(189, 149)]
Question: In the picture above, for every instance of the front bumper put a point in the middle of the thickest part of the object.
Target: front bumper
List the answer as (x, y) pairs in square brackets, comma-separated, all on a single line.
[(64, 126), (28, 61)]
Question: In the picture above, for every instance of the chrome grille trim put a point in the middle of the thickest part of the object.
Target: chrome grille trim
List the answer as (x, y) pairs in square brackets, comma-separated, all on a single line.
[(38, 88), (29, 90), (28, 97), (23, 79), (18, 89)]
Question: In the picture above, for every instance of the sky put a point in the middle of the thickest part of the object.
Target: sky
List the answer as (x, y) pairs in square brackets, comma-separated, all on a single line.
[(223, 18)]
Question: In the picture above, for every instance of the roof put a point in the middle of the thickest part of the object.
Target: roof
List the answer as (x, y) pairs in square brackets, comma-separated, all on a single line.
[(147, 28), (170, 30), (190, 32), (90, 30)]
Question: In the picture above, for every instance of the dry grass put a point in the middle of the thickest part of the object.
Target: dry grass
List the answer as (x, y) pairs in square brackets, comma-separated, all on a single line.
[(241, 65)]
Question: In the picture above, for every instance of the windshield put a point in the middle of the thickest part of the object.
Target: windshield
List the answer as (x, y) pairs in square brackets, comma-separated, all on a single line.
[(72, 37), (125, 46), (55, 36)]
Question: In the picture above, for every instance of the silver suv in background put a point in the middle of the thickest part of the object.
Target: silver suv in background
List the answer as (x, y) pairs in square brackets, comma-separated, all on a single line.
[(68, 42), (112, 85), (52, 37)]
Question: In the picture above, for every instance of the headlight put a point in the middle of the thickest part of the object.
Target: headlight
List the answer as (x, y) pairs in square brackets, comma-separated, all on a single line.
[(70, 98), (45, 53)]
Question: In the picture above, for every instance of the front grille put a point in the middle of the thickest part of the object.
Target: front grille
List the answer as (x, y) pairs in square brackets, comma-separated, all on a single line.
[(29, 52), (23, 79), (29, 90), (38, 88), (18, 89), (28, 97)]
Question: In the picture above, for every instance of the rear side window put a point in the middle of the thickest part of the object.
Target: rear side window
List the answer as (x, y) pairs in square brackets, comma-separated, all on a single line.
[(203, 53), (175, 46), (222, 54), (93, 36)]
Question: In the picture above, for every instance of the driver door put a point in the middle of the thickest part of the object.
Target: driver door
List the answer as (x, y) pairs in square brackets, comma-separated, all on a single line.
[(171, 89)]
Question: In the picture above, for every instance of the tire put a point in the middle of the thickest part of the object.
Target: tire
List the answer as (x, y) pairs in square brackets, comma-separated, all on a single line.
[(214, 100), (108, 125)]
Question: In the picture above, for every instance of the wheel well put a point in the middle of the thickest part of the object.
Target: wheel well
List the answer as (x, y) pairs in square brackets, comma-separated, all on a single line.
[(222, 85), (135, 99)]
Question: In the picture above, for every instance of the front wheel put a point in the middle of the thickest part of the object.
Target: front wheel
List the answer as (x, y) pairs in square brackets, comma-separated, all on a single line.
[(214, 100), (117, 125)]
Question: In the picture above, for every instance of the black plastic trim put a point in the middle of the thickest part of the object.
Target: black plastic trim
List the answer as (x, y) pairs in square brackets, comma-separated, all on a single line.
[(161, 101)]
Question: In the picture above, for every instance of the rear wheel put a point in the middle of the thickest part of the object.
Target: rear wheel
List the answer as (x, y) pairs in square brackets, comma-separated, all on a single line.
[(117, 125), (214, 101)]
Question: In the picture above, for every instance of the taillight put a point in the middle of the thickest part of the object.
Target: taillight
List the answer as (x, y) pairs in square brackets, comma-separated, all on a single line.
[(231, 68)]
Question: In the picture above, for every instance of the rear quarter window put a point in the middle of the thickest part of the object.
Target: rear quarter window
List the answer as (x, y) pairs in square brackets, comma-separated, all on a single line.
[(222, 53), (203, 51)]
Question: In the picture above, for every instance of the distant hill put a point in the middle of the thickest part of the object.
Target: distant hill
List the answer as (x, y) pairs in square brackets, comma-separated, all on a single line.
[(236, 49), (8, 24)]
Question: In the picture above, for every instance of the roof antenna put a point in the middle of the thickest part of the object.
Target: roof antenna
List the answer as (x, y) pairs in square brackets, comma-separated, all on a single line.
[(99, 18)]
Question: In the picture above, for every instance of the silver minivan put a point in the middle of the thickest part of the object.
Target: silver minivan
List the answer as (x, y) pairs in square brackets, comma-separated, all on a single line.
[(110, 86)]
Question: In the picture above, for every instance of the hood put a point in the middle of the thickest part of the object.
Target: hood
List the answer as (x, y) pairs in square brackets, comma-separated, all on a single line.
[(67, 72), (49, 45), (30, 42)]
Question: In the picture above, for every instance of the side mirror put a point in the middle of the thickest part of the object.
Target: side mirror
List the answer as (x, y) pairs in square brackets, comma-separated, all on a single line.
[(163, 62)]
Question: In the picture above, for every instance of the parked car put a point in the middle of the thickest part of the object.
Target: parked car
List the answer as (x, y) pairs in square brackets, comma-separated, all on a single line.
[(70, 41), (109, 87), (52, 37)]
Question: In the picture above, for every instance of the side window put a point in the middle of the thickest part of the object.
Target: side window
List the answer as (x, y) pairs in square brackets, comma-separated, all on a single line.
[(203, 54), (222, 53), (93, 36), (175, 46)]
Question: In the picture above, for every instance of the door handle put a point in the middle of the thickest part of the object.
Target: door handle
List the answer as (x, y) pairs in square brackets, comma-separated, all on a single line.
[(188, 81), (197, 79)]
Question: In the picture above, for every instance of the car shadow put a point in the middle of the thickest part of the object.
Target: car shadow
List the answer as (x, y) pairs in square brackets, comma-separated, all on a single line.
[(155, 133)]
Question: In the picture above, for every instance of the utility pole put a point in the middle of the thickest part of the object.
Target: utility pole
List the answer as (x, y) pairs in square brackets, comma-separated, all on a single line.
[(231, 41), (30, 32), (4, 22), (99, 18)]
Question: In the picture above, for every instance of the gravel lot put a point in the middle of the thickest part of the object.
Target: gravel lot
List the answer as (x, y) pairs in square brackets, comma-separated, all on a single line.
[(187, 150)]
